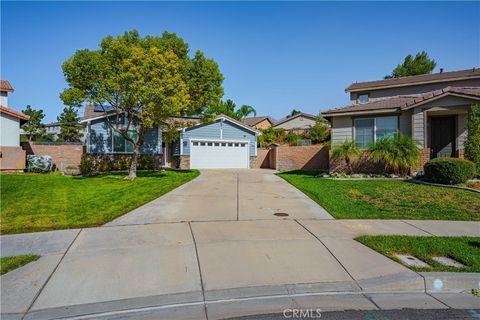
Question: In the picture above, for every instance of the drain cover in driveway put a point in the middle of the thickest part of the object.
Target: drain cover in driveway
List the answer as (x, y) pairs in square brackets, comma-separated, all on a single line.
[(281, 214)]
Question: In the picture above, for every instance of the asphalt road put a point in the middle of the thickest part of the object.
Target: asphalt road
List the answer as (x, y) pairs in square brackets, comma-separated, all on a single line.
[(403, 314)]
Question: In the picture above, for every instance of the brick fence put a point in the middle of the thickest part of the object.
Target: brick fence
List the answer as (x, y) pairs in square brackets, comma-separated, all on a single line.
[(63, 155), (263, 158), (284, 158), (12, 159)]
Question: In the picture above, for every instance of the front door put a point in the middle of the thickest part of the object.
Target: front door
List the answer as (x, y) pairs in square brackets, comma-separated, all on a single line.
[(442, 134)]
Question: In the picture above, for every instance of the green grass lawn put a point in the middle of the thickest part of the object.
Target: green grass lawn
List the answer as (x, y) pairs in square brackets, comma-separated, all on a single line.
[(38, 202), (9, 263), (386, 199), (463, 249)]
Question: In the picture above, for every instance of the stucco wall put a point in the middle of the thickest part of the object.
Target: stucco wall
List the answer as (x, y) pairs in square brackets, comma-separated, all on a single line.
[(12, 158), (342, 130), (10, 131)]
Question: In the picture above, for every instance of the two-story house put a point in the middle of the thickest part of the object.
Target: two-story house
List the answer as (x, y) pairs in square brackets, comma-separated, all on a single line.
[(432, 108)]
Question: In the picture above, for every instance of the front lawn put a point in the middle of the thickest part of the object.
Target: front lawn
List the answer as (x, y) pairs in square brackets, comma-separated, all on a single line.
[(10, 263), (39, 202), (465, 250), (386, 199)]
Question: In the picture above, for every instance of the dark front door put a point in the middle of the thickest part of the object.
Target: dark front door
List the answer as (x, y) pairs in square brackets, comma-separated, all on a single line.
[(442, 132)]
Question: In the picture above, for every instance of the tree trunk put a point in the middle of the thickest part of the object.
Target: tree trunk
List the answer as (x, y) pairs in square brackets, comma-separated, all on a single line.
[(132, 173)]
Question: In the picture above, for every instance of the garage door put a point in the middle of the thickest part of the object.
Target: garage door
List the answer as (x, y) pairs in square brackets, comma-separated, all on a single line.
[(218, 155)]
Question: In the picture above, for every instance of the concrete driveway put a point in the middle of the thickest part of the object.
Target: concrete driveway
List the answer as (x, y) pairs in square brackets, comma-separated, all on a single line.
[(225, 195)]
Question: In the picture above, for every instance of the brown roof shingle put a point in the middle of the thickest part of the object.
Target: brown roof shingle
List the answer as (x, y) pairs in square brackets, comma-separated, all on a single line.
[(5, 86), (404, 102), (415, 80)]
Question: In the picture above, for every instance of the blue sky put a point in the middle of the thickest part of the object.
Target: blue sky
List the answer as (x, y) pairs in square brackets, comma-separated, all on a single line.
[(275, 56)]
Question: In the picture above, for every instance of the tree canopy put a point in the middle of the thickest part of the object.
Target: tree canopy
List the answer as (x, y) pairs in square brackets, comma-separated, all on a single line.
[(142, 82), (294, 113), (228, 108), (412, 66), (34, 127), (70, 128), (472, 144)]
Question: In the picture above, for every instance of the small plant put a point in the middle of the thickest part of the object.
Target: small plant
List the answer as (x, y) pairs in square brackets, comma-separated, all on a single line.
[(475, 292), (123, 163), (397, 154), (347, 151), (146, 162), (104, 165), (449, 170), (320, 131), (86, 164)]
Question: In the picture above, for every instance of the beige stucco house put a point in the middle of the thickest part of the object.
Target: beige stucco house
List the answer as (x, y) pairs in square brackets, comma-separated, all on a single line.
[(258, 123), (432, 108), (298, 122)]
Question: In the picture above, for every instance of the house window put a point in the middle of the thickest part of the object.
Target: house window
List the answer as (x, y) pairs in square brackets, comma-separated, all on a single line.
[(364, 131), (373, 129), (121, 145), (363, 98)]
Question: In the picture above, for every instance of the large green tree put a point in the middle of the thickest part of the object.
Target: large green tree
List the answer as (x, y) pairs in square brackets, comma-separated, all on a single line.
[(412, 66), (70, 128), (34, 128), (472, 144), (142, 82), (228, 108)]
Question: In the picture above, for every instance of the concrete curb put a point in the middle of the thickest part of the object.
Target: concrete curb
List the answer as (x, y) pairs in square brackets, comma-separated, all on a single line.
[(442, 185)]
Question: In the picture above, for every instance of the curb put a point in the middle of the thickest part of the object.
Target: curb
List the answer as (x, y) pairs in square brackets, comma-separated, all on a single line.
[(442, 185)]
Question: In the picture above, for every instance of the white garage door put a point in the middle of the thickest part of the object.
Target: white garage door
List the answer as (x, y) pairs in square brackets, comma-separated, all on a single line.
[(218, 155)]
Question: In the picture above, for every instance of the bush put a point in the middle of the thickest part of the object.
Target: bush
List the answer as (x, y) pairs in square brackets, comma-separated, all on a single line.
[(472, 144), (397, 154), (146, 162), (123, 163), (320, 131), (104, 165), (270, 136), (347, 151), (449, 170), (86, 164), (292, 138)]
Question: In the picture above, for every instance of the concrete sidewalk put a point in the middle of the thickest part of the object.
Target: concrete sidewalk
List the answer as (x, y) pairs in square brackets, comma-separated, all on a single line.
[(222, 269)]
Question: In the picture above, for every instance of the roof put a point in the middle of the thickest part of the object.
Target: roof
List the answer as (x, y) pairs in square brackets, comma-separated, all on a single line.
[(251, 121), (52, 124), (472, 73), (301, 114), (5, 86), (405, 102), (13, 113)]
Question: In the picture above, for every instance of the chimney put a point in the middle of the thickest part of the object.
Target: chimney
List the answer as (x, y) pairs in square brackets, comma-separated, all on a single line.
[(4, 98), (441, 70)]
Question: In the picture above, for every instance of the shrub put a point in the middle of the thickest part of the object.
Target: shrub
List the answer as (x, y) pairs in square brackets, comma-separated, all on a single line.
[(123, 163), (292, 138), (397, 154), (146, 162), (104, 165), (472, 144), (86, 164), (270, 136), (347, 151), (320, 131), (449, 170)]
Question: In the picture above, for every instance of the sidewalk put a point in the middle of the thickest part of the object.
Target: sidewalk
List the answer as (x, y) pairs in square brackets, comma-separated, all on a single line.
[(228, 268)]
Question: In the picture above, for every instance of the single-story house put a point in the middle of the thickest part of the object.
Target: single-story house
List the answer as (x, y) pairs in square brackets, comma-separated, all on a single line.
[(300, 122), (259, 122), (12, 156), (222, 143), (431, 108)]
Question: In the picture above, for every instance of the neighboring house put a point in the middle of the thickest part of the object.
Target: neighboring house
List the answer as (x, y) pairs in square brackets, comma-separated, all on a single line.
[(53, 129), (299, 122), (223, 143), (12, 156), (432, 108), (258, 122)]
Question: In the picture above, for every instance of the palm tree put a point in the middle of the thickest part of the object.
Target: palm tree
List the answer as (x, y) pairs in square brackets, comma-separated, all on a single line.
[(245, 111), (347, 151)]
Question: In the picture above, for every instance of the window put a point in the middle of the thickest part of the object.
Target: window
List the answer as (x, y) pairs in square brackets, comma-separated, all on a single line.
[(373, 129), (122, 145), (363, 98), (364, 129)]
